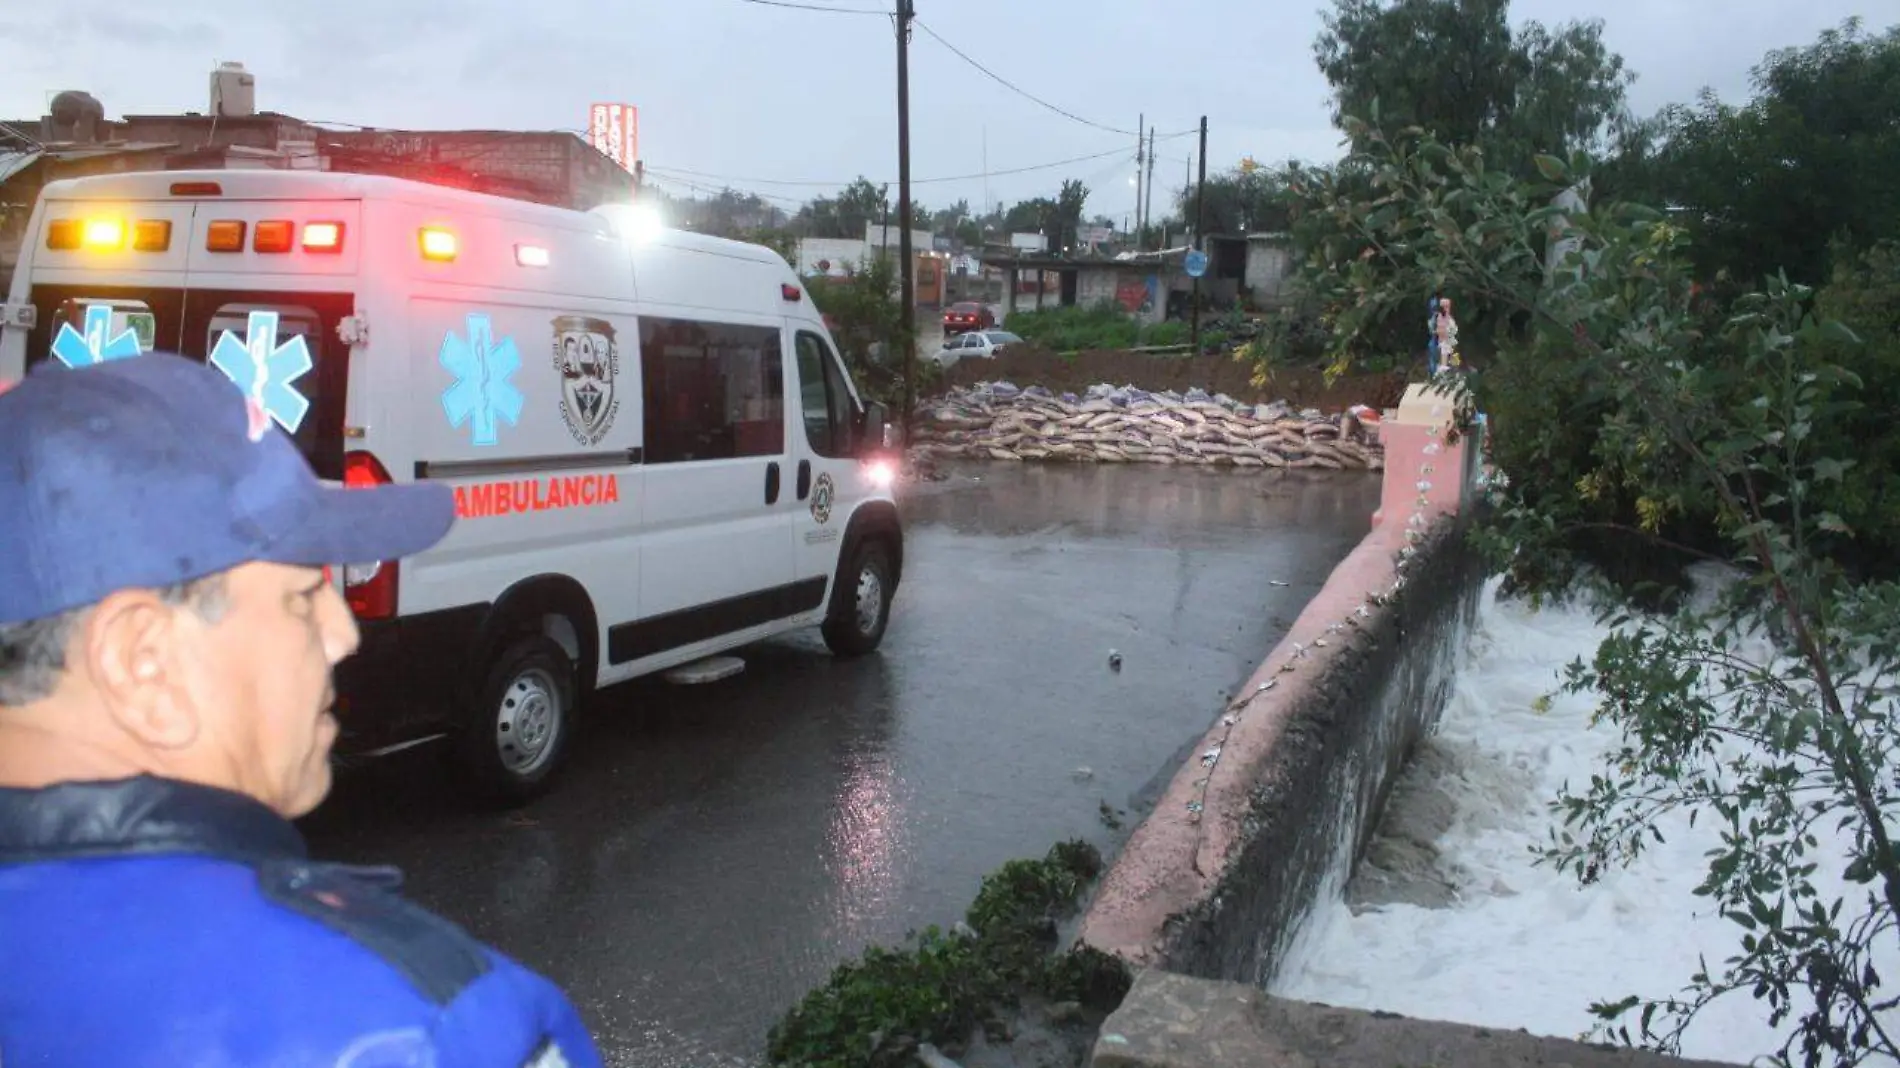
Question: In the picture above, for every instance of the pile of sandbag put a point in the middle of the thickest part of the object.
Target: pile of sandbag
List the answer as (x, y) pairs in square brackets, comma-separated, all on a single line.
[(999, 421)]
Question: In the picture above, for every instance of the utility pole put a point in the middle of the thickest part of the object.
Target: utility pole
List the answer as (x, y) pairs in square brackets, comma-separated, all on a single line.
[(1200, 216), (1141, 131), (1148, 206), (907, 290)]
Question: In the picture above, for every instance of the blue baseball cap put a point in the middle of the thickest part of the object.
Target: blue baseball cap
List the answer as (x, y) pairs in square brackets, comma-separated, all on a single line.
[(141, 473)]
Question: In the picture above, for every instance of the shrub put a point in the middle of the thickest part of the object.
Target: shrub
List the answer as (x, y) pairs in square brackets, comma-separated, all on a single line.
[(940, 987), (1104, 326)]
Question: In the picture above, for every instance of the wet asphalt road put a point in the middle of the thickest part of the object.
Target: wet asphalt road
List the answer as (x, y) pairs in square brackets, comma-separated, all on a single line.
[(714, 851)]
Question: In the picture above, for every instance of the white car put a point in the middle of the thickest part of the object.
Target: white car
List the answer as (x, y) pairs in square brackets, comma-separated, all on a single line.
[(977, 344), (657, 455)]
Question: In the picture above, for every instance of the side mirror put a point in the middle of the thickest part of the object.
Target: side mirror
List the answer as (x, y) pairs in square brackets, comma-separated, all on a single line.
[(877, 428)]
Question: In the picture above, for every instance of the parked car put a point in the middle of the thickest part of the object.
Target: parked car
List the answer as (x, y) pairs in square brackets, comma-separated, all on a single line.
[(978, 344), (965, 316)]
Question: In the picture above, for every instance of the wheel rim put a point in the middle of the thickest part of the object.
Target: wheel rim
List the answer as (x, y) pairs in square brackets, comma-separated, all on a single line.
[(870, 599), (528, 721)]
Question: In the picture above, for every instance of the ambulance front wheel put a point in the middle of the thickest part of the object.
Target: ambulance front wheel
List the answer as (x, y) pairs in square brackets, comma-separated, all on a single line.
[(517, 730), (861, 607)]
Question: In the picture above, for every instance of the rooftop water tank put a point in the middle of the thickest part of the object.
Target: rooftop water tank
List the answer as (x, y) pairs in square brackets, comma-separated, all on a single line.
[(233, 91)]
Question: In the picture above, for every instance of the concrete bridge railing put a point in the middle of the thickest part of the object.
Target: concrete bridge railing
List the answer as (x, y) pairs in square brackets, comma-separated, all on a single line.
[(1276, 805)]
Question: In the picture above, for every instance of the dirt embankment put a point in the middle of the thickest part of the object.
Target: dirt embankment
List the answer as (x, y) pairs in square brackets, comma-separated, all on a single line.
[(1301, 387)]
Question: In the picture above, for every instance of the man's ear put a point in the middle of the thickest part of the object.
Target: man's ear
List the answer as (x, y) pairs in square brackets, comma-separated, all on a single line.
[(129, 647)]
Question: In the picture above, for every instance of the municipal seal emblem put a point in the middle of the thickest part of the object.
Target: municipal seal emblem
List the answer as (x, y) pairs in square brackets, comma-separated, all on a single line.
[(821, 495)]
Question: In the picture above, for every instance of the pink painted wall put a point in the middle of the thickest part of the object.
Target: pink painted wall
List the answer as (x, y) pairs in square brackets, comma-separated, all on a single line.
[(1177, 856), (1406, 461)]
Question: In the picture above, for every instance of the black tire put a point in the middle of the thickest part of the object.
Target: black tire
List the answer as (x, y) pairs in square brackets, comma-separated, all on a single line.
[(861, 604), (516, 729)]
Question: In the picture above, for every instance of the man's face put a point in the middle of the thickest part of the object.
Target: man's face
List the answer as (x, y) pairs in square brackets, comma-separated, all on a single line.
[(260, 683)]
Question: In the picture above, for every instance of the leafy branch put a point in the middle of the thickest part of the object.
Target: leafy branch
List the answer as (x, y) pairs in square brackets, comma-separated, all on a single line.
[(1693, 412)]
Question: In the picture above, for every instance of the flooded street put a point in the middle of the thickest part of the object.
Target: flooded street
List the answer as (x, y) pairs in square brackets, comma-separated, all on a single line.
[(713, 852)]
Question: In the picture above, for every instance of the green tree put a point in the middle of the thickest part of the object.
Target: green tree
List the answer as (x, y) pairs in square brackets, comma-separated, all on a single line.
[(1244, 200), (1695, 410), (733, 214), (1457, 69), (845, 215), (1814, 156), (1070, 203), (866, 319), (1030, 216)]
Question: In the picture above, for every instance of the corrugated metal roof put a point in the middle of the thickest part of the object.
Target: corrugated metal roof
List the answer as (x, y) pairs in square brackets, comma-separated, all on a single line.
[(12, 163)]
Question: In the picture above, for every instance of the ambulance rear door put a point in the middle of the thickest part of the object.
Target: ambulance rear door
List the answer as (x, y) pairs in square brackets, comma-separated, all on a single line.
[(270, 286)]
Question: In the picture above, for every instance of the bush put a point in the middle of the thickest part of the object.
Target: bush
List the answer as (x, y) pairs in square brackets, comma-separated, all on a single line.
[(1730, 434), (1172, 332), (1072, 328), (1865, 296), (940, 987), (866, 318), (1105, 326)]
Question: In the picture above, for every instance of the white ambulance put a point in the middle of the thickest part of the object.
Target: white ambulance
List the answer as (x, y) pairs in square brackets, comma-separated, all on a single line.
[(656, 452)]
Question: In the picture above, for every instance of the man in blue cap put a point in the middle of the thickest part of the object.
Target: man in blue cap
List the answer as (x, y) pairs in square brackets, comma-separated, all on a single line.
[(167, 634)]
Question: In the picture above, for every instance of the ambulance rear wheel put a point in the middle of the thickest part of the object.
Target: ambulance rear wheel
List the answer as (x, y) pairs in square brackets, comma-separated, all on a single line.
[(519, 724), (861, 607)]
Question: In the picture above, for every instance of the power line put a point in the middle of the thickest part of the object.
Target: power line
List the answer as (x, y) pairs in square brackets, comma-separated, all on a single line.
[(697, 187), (818, 7), (914, 181), (1007, 84)]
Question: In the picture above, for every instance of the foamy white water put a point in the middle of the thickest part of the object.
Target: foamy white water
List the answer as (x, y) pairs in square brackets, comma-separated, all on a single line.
[(1527, 946)]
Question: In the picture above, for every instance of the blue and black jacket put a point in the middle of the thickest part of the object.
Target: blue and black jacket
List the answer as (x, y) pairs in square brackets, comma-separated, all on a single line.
[(150, 922)]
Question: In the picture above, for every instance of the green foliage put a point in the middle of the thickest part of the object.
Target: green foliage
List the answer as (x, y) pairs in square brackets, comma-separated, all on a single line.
[(867, 320), (940, 987), (732, 214), (1246, 199), (1864, 296), (1168, 332), (1106, 325), (1630, 401), (846, 214), (1075, 328), (776, 238), (1458, 69), (1811, 158)]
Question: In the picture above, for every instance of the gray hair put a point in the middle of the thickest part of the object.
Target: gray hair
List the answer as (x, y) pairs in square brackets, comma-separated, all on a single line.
[(33, 653)]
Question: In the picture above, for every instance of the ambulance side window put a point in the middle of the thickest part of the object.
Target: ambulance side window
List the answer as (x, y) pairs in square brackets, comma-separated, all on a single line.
[(829, 412), (714, 391)]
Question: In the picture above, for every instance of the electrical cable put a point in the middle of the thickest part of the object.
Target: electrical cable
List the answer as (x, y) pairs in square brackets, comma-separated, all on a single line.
[(818, 7), (914, 181), (1007, 84)]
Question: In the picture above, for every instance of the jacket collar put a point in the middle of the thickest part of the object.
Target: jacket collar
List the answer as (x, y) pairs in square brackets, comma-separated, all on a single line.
[(139, 816)]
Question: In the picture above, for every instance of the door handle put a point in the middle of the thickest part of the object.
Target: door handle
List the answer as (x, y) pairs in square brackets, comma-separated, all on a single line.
[(771, 483), (804, 479)]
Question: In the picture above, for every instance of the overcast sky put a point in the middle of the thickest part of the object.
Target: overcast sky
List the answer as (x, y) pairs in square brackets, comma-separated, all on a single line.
[(741, 90)]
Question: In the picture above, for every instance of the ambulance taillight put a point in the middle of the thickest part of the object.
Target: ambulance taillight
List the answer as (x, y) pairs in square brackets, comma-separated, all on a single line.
[(323, 237), (272, 235), (369, 588)]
